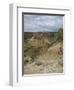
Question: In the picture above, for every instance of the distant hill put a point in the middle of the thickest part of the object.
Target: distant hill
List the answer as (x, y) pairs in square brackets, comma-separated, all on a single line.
[(38, 35)]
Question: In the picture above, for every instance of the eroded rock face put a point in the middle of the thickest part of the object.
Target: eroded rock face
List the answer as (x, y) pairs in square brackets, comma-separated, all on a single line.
[(42, 55), (35, 45)]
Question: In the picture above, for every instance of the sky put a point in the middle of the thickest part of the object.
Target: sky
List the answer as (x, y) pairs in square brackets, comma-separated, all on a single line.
[(42, 23)]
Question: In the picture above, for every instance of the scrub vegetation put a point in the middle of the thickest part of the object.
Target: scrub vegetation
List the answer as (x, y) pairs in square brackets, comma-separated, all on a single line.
[(43, 52)]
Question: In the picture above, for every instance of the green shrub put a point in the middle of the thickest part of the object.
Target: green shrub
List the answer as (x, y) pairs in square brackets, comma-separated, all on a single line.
[(60, 34)]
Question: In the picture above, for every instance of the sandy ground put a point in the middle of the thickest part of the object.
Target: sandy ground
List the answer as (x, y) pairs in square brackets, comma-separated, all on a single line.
[(49, 62)]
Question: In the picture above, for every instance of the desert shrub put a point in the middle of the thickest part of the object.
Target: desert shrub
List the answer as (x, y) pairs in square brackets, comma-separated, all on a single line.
[(60, 62), (32, 53), (60, 52), (60, 34), (27, 60), (38, 63), (35, 53)]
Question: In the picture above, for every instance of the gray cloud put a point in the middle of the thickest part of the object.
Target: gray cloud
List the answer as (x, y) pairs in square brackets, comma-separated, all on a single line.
[(42, 23)]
